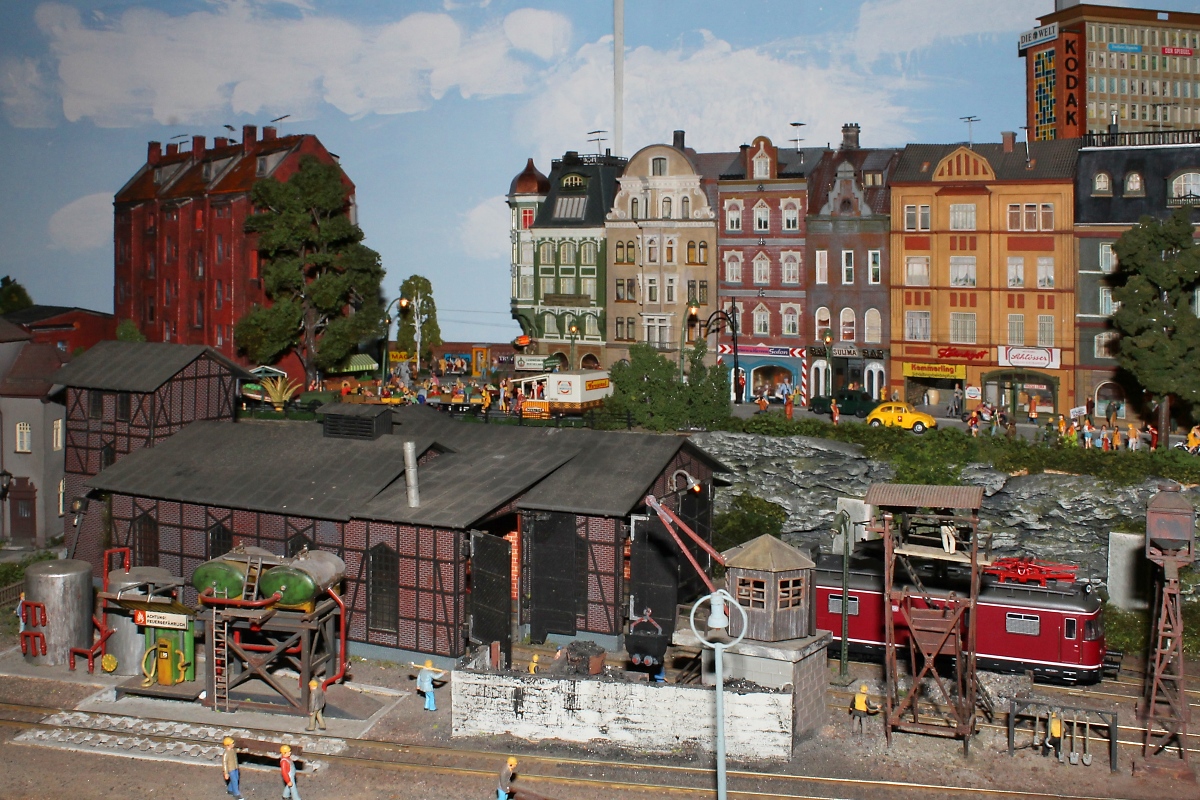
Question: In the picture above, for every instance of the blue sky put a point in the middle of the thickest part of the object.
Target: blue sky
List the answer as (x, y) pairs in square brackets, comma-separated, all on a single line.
[(434, 105)]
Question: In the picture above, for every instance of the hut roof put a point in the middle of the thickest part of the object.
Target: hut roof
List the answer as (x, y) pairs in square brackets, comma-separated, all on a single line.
[(768, 554)]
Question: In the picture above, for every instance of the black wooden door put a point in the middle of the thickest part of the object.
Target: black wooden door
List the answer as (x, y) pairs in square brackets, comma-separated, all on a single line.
[(695, 508), (552, 579), (22, 501), (653, 577), (491, 592)]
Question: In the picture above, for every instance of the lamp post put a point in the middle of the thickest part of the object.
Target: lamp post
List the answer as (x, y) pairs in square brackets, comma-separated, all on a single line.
[(5, 482), (718, 620), (827, 340), (692, 310), (387, 337), (573, 332), (418, 321), (729, 317)]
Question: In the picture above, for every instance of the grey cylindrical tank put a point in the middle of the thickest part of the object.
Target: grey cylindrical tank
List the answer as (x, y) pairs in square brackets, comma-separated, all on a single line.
[(128, 642), (65, 587)]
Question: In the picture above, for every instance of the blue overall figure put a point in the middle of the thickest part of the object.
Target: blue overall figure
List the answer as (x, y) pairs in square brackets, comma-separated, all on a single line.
[(20, 614), (425, 679)]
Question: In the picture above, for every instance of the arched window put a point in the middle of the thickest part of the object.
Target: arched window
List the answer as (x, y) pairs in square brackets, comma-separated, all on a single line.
[(762, 217), (733, 268), (383, 588), (762, 322), (620, 252), (1133, 183), (587, 253), (546, 253), (791, 269), (220, 540), (823, 322), (633, 208), (872, 326), (1101, 183), (669, 251), (1186, 186), (691, 252), (652, 251), (566, 252), (762, 268), (703, 253), (666, 208), (630, 253), (658, 166), (591, 325), (550, 324), (791, 322), (685, 208), (848, 332)]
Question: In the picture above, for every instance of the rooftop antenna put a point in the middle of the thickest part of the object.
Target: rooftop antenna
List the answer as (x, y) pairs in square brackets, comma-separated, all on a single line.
[(280, 119), (1026, 129), (797, 140), (618, 74), (230, 128), (970, 120), (179, 136), (597, 138)]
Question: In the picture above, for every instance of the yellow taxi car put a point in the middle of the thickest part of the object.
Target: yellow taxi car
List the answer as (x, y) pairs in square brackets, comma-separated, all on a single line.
[(901, 415)]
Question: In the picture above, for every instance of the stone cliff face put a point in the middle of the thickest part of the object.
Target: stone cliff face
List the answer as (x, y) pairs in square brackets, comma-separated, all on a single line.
[(1049, 516)]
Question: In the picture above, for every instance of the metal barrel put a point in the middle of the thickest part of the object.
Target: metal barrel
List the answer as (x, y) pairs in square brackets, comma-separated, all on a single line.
[(127, 643), (65, 588), (303, 578), (226, 575)]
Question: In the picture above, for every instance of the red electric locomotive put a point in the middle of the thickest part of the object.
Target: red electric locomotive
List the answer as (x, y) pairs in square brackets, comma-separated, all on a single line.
[(1054, 630)]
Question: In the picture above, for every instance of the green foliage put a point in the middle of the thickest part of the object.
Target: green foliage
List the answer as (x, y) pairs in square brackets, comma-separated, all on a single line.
[(324, 284), (14, 571), (1126, 631), (748, 518), (431, 332), (127, 331), (648, 388), (13, 296)]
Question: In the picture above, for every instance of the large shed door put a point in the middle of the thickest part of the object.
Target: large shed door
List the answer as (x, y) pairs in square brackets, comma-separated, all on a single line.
[(696, 510), (653, 576), (552, 578), (491, 592)]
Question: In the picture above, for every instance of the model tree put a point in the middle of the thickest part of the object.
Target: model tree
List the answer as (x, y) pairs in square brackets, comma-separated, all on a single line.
[(647, 388), (127, 331), (13, 296), (418, 291), (323, 283), (1159, 330)]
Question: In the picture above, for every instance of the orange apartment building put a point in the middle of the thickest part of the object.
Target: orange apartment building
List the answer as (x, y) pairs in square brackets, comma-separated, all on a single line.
[(983, 272)]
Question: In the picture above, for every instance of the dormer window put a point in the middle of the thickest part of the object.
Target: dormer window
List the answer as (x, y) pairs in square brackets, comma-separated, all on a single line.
[(206, 171), (573, 182), (762, 166), (1133, 185), (658, 166), (1185, 190), (872, 179), (1101, 184), (260, 168)]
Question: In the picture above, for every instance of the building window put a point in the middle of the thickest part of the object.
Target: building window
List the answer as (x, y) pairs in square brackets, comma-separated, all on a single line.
[(791, 593), (752, 592), (733, 268), (95, 404), (685, 207), (762, 269), (1045, 330), (651, 290), (220, 540), (62, 497), (702, 297), (658, 166), (620, 332), (872, 326), (791, 217), (1016, 330), (762, 322), (703, 253), (962, 216), (1105, 344), (1016, 272), (916, 218), (587, 287), (666, 208), (791, 322), (144, 541), (923, 218), (24, 437), (620, 252), (566, 253), (1108, 306), (383, 589), (835, 605), (669, 250), (916, 326), (733, 217), (619, 296), (1030, 217), (962, 328), (587, 253), (123, 406), (1045, 268), (652, 251), (1046, 220), (566, 284), (547, 287), (822, 275), (824, 322), (526, 218), (848, 332), (1133, 184), (633, 208), (916, 271), (219, 298), (791, 269), (962, 271), (762, 218), (1108, 258), (762, 166), (670, 290), (1101, 183), (1186, 188), (1014, 216), (874, 266), (56, 434), (847, 267)]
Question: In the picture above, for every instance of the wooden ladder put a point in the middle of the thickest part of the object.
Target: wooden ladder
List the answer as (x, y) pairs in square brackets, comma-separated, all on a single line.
[(253, 572), (220, 658)]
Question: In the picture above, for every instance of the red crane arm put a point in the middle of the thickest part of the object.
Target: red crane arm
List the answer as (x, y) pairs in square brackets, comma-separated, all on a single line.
[(669, 520)]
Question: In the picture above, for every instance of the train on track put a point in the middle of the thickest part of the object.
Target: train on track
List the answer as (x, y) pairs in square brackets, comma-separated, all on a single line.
[(1055, 630)]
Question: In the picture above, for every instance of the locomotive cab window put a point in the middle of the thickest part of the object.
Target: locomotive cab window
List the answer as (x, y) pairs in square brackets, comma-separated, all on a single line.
[(1026, 624), (835, 605), (1069, 626), (752, 593), (1093, 629)]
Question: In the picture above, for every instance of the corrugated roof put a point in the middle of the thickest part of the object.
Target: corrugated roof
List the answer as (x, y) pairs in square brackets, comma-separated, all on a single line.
[(1049, 160), (136, 366), (767, 554), (907, 495)]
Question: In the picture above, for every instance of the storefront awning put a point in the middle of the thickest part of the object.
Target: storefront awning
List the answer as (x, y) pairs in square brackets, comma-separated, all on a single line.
[(359, 362)]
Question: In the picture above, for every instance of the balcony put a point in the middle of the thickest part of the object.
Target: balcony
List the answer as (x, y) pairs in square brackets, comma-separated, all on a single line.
[(568, 300), (1136, 138)]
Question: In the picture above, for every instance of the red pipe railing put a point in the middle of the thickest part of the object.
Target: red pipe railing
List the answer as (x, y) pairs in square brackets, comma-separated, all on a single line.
[(342, 640), (207, 598)]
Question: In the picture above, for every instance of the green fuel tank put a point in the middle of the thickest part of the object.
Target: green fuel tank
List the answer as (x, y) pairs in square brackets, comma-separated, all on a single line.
[(301, 580), (226, 575)]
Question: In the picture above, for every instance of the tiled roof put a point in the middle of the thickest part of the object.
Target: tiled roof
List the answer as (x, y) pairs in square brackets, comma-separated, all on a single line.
[(767, 554), (1156, 165), (12, 333), (820, 182), (1051, 160), (136, 366), (30, 374), (35, 314)]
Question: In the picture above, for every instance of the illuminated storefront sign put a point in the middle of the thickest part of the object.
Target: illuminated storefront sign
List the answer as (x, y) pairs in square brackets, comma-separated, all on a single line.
[(1030, 357)]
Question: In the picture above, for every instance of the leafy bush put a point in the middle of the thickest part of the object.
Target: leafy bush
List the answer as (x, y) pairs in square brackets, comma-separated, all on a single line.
[(748, 518), (14, 571)]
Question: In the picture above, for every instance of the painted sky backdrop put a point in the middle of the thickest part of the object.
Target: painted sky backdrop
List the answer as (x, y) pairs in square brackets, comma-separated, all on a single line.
[(434, 105)]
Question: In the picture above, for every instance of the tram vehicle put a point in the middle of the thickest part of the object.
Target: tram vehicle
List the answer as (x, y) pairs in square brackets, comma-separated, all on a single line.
[(1041, 620)]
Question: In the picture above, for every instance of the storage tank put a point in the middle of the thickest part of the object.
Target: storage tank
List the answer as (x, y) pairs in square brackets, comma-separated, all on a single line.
[(65, 587), (228, 572), (128, 642), (301, 580)]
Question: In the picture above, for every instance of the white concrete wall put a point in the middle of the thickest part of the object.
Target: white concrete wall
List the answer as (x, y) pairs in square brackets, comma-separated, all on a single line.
[(1129, 578), (650, 717)]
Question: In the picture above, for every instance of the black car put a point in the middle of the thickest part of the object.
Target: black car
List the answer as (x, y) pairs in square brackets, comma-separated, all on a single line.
[(849, 402)]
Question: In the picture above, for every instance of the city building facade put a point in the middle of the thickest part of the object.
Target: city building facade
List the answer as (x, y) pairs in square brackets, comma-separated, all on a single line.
[(983, 266), (1088, 65), (66, 328), (849, 269), (185, 269)]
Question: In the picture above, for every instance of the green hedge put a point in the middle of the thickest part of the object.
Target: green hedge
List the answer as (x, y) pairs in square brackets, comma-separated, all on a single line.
[(13, 571)]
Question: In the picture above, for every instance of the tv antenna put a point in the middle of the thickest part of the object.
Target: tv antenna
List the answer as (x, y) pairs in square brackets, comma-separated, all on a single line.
[(797, 139), (597, 138), (280, 119), (970, 120)]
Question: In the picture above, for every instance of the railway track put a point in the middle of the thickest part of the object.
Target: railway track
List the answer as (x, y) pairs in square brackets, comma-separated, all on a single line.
[(540, 773)]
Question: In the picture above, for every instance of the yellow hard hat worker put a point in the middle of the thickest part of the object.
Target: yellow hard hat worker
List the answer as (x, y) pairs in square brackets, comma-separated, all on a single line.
[(428, 662), (228, 740), (312, 684), (512, 762), (285, 749)]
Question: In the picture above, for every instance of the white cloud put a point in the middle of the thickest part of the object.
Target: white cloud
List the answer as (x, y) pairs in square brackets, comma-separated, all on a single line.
[(237, 56), (894, 27), (485, 229), (83, 224), (25, 93)]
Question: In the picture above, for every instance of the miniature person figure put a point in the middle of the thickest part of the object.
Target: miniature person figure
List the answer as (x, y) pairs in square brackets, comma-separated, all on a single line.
[(1131, 437), (21, 614), (287, 770), (762, 402), (949, 540), (425, 679), (229, 768), (835, 413), (504, 785), (1193, 441), (860, 709), (316, 706), (1053, 738), (788, 405), (1033, 415), (533, 665), (1153, 431)]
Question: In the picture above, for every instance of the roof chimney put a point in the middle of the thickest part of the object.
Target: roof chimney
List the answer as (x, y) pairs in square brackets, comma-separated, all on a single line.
[(1007, 140), (153, 153), (172, 148), (677, 140), (850, 136), (1113, 126), (220, 141), (198, 147), (249, 135), (268, 132), (410, 474)]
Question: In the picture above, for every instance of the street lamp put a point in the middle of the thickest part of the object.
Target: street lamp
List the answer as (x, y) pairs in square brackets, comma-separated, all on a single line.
[(827, 339), (415, 305), (387, 336), (729, 317), (692, 310), (718, 620), (573, 332)]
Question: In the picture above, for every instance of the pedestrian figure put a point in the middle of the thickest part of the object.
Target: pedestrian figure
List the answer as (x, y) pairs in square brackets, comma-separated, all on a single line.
[(316, 706), (834, 412), (958, 399), (973, 423), (1033, 417), (1133, 437), (1010, 432), (507, 773), (860, 709), (789, 405), (1110, 414), (1087, 435), (1062, 425), (995, 426), (1116, 438), (1053, 740), (229, 768), (1153, 430), (21, 614), (1090, 406), (287, 770), (425, 679)]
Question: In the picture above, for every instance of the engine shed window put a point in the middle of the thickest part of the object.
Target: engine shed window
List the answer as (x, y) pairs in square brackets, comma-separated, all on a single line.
[(835, 605), (383, 589), (791, 593), (1025, 624), (752, 592), (1069, 628)]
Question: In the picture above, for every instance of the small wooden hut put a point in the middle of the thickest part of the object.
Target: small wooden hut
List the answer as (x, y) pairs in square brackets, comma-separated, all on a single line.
[(774, 583)]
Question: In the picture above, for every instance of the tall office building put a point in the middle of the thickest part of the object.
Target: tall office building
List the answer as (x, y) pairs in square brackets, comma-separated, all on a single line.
[(1086, 63)]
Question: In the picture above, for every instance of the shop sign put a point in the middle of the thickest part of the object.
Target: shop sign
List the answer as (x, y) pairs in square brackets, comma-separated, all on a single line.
[(874, 352), (1078, 411), (762, 350), (533, 363), (958, 352), (1124, 48), (1177, 51), (925, 370), (599, 383), (160, 619), (1029, 357), (973, 393), (841, 351), (1045, 33)]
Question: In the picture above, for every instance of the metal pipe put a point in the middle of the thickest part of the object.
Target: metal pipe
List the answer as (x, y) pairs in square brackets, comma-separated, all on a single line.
[(718, 648), (207, 598), (847, 529), (262, 648), (410, 474), (342, 641)]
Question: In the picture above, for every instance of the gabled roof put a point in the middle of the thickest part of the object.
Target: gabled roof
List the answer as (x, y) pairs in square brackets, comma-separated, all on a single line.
[(12, 333), (30, 374), (136, 366), (35, 314), (821, 180), (767, 554), (1052, 160)]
